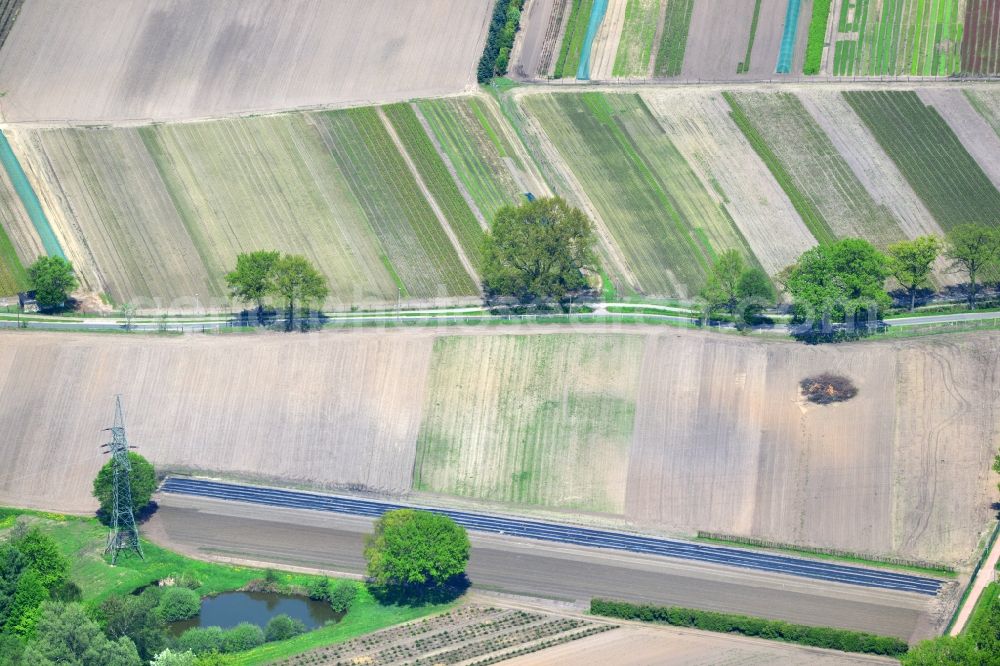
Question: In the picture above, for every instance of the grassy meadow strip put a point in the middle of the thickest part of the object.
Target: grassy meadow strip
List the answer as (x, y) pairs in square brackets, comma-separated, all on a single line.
[(555, 404), (415, 244), (810, 215), (571, 49), (638, 34), (438, 180), (673, 40), (476, 153), (663, 252), (817, 169), (817, 36), (935, 163)]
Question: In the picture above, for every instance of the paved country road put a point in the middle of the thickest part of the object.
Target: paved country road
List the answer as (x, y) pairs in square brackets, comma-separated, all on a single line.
[(262, 536), (580, 536)]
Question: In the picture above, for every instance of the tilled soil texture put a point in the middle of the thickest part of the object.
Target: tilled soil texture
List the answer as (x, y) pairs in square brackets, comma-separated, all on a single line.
[(173, 59), (701, 431)]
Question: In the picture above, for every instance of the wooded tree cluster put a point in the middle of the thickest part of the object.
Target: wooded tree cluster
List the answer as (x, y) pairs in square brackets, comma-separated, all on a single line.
[(264, 274)]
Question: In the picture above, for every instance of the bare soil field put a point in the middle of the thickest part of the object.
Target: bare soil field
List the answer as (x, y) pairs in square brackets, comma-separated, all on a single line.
[(720, 32), (632, 645), (172, 59), (531, 418)]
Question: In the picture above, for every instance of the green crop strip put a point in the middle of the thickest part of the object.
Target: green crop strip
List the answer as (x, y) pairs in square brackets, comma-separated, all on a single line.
[(932, 159), (810, 215), (638, 33), (817, 36), (438, 180), (13, 277), (744, 67), (673, 41), (572, 44)]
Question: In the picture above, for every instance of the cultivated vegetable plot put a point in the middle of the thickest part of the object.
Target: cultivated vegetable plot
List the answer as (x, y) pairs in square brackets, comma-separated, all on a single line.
[(987, 103), (815, 171), (899, 37), (638, 34), (673, 39), (476, 151), (981, 43), (434, 173), (121, 228), (937, 165), (700, 127), (249, 184), (415, 244), (571, 48), (659, 214), (541, 420)]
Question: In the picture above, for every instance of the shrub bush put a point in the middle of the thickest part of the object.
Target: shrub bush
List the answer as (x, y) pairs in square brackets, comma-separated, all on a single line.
[(319, 589), (824, 637), (179, 603), (342, 595), (201, 640), (282, 627), (244, 636)]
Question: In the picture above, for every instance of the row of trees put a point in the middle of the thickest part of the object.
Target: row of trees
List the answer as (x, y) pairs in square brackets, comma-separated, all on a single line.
[(264, 274)]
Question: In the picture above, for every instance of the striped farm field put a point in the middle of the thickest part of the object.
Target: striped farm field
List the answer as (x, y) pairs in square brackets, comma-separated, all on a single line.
[(523, 419), (939, 168), (571, 47), (19, 243), (434, 173), (981, 42), (986, 102), (638, 34), (811, 168), (657, 211), (899, 37), (464, 128), (415, 244), (673, 39)]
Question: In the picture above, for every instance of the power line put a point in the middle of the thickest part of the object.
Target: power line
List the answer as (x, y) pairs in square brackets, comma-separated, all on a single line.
[(124, 535)]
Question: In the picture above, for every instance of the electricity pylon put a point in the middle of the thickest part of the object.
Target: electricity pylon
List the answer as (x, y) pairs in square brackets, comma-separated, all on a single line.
[(124, 535)]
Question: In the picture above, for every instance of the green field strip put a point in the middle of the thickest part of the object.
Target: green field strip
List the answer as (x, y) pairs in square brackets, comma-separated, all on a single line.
[(932, 159), (660, 248), (13, 277), (489, 118), (29, 199), (434, 172), (817, 36), (673, 41), (530, 436), (986, 104), (744, 66), (638, 34), (816, 169), (411, 234), (810, 215), (475, 155), (572, 42)]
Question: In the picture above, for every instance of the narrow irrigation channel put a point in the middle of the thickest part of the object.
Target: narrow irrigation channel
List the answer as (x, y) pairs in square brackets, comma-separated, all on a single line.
[(580, 536)]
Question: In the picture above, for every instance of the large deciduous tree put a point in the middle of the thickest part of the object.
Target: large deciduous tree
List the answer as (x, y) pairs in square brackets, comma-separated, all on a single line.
[(911, 263), (253, 279), (538, 250), (973, 249), (142, 480), (52, 279), (297, 281), (736, 286), (66, 635), (412, 552), (840, 281)]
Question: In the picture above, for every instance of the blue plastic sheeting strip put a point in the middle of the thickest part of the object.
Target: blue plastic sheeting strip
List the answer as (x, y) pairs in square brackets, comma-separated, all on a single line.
[(787, 53), (28, 199), (597, 12)]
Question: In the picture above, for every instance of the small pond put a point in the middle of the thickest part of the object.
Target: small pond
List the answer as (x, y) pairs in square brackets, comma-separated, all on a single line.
[(230, 608)]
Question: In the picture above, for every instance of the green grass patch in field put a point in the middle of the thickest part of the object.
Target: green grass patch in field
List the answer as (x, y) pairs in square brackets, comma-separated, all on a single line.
[(438, 180), (744, 66), (673, 40), (932, 159), (638, 34), (817, 36), (13, 276), (571, 49)]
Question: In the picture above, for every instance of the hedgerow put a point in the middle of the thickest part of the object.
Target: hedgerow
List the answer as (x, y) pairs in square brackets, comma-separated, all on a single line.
[(777, 630), (500, 39), (817, 36)]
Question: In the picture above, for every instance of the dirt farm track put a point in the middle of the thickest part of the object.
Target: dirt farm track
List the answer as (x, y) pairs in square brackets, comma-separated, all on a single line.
[(118, 60), (704, 431)]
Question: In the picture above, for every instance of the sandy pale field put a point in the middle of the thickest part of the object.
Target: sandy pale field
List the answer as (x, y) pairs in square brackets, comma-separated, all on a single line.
[(107, 60)]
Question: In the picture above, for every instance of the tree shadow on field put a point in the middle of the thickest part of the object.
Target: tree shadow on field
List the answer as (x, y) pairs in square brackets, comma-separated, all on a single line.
[(142, 516), (421, 595)]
